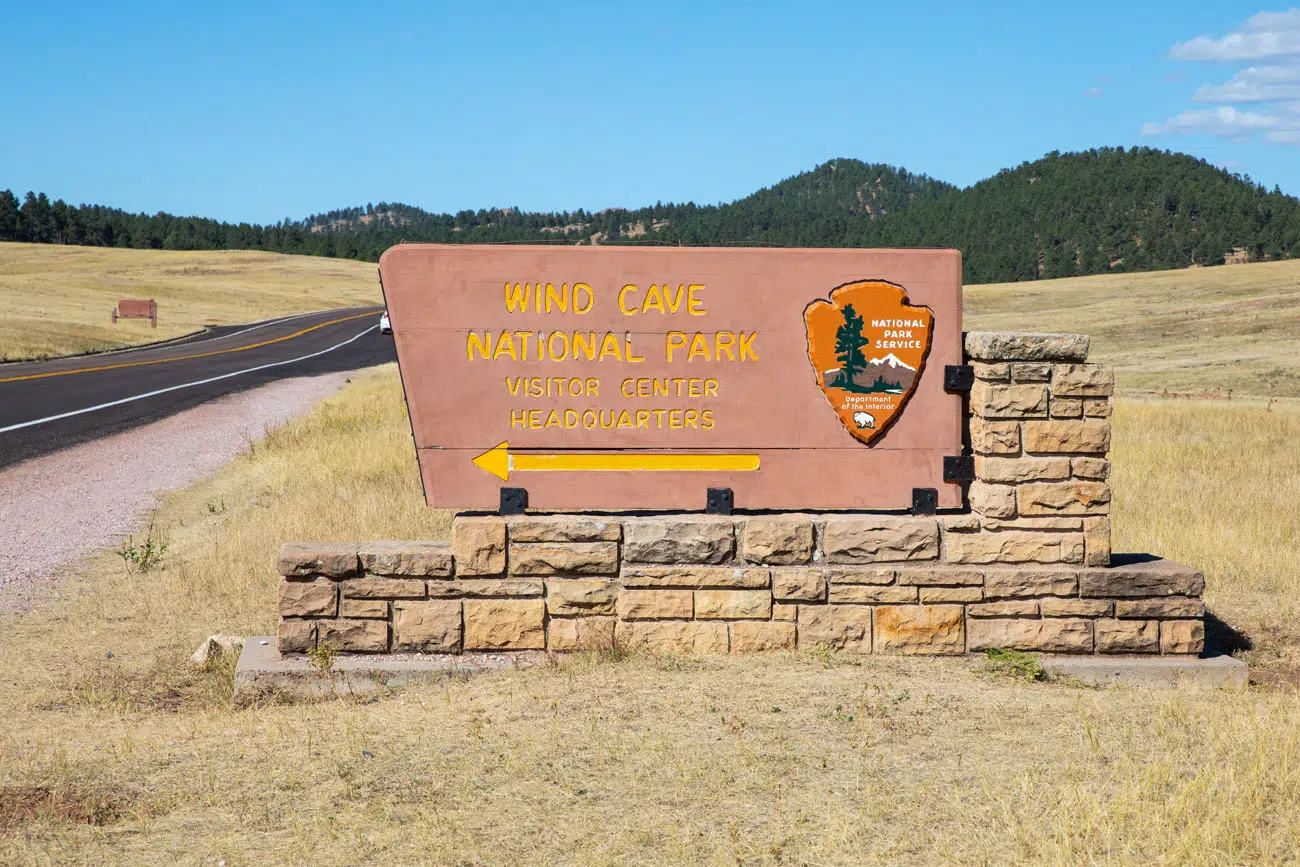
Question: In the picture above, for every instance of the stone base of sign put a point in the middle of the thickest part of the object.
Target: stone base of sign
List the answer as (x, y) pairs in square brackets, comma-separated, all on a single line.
[(706, 584), (1027, 566)]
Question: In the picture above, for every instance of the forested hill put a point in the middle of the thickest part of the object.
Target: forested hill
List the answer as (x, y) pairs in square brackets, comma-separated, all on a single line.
[(1065, 214)]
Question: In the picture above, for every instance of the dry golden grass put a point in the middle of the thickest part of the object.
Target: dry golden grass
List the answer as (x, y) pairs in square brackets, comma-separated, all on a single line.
[(789, 759), (56, 300), (1235, 328)]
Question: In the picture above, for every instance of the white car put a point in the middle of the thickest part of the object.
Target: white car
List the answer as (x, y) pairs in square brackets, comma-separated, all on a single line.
[(385, 325)]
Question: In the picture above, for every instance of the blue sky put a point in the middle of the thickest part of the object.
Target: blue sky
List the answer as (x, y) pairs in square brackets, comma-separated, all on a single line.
[(261, 111)]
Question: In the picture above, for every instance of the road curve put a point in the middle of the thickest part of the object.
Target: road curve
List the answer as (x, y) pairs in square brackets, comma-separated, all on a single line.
[(49, 405)]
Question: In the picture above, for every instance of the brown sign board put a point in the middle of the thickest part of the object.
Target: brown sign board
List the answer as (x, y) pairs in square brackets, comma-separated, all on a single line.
[(137, 308), (626, 378)]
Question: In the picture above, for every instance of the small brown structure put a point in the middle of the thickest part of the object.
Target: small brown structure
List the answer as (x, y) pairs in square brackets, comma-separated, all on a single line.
[(137, 308)]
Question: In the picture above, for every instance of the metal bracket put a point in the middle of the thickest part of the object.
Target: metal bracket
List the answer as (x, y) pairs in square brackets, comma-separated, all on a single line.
[(958, 377), (720, 501), (925, 501), (958, 468), (513, 501)]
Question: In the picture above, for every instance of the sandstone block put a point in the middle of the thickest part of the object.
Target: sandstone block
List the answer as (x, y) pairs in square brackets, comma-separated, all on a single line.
[(429, 626), (1097, 407), (1059, 635), (859, 575), (1030, 371), (505, 624), (464, 587), (1013, 470), (414, 559), (941, 576), (1096, 541), (580, 633), (1024, 346), (880, 539), (478, 543), (678, 539), (1182, 636), (927, 629), (1065, 407), (778, 540), (1004, 608), (992, 501), (733, 604), (1014, 546), (1021, 583), (1063, 498), (1128, 636), (564, 558), (748, 636), (1090, 468), (799, 585), (1075, 607), (996, 372), (1036, 523), (745, 577), (317, 598), (383, 588), (991, 401), (968, 522), (994, 437), (575, 596), (866, 594), (563, 528), (673, 636), (785, 612), (353, 636), (931, 595), (655, 604), (842, 627), (363, 608), (299, 559), (1128, 577), (1158, 608), (1083, 380), (1067, 436), (296, 636)]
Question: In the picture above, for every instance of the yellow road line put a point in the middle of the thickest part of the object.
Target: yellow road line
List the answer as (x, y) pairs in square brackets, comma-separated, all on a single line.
[(186, 357)]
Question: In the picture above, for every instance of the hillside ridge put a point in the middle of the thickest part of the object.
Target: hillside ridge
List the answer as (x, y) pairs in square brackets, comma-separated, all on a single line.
[(1100, 211)]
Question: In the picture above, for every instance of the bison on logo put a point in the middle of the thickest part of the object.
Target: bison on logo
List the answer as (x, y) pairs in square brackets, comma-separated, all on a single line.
[(868, 347)]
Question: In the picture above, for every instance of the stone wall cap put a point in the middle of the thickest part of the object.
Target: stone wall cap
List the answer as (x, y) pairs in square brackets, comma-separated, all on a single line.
[(332, 559), (1025, 346)]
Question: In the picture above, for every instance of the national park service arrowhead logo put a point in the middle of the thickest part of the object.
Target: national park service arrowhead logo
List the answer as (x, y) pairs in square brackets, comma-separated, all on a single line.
[(868, 347)]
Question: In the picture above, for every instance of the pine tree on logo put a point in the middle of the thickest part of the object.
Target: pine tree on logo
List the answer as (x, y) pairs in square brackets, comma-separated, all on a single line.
[(849, 343)]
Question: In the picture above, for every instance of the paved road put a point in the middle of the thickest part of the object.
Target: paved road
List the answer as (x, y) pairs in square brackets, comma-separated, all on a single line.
[(49, 405)]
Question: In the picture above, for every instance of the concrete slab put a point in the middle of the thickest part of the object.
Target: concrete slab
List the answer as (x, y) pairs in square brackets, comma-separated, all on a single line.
[(263, 672), (1210, 672)]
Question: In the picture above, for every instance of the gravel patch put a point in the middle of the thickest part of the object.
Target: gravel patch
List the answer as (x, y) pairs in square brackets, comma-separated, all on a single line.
[(61, 507)]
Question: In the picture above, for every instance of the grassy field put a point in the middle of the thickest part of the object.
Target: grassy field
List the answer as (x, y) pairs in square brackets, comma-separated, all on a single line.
[(56, 300), (1232, 328), (114, 751)]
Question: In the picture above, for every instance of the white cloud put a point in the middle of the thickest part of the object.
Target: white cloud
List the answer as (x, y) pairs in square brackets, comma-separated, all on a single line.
[(1224, 120), (1255, 84), (1267, 34), (1272, 89), (1094, 92)]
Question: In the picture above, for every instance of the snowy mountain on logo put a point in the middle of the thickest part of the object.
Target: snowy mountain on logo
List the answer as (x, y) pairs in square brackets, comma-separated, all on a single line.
[(891, 372), (891, 360)]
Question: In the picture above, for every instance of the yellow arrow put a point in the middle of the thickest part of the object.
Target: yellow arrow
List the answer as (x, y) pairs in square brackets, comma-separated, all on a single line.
[(500, 462)]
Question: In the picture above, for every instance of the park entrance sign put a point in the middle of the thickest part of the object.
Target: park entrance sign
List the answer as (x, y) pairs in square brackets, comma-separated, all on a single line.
[(636, 378)]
